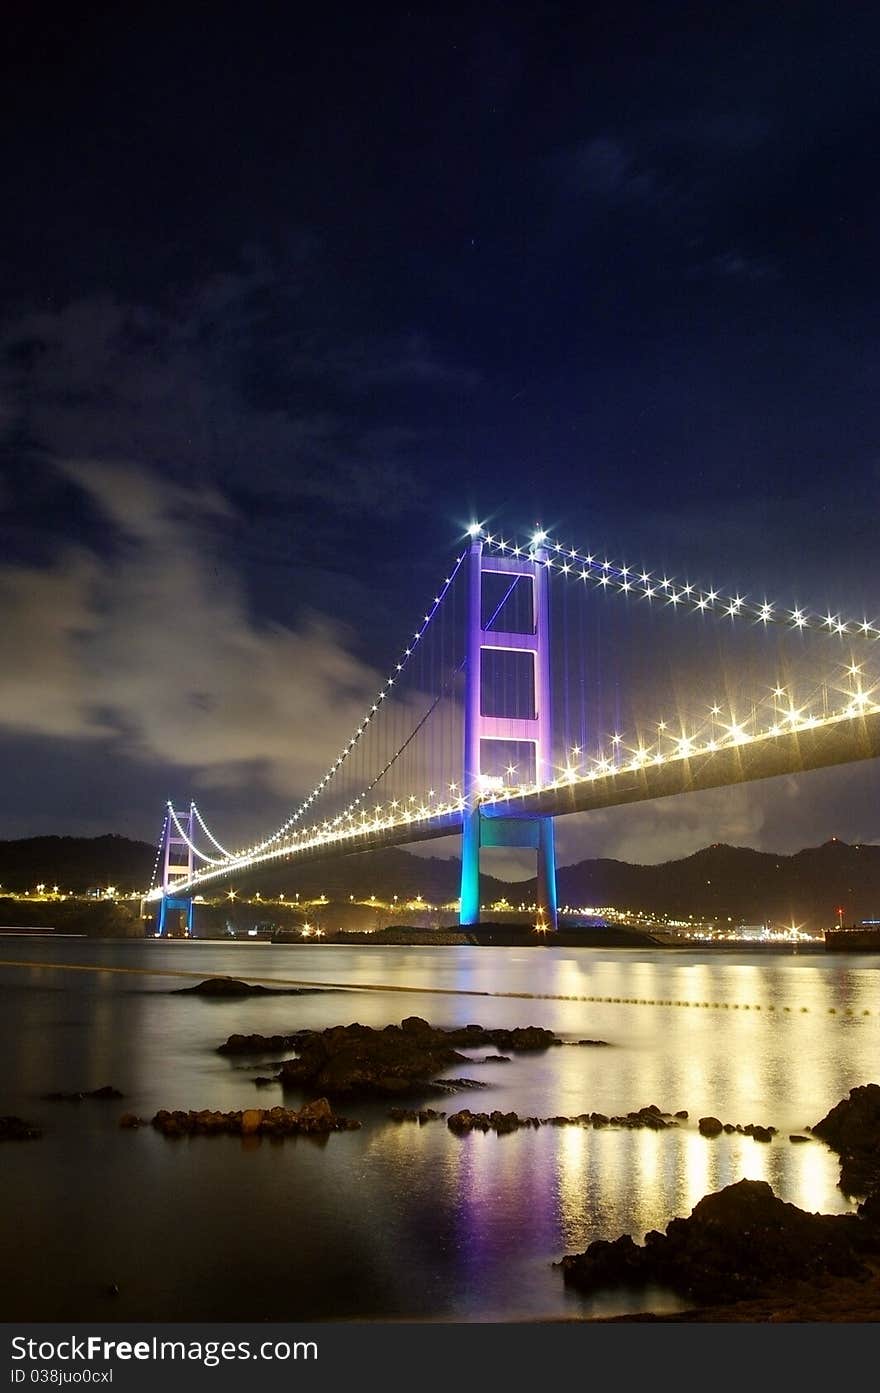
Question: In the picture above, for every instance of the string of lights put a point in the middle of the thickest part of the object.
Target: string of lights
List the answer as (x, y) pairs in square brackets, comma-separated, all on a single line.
[(583, 565), (184, 837), (159, 852), (207, 831)]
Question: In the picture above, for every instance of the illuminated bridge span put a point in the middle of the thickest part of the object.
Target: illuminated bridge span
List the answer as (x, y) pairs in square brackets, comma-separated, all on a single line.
[(487, 728)]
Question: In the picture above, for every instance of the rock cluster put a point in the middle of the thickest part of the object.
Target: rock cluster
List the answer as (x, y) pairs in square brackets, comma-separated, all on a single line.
[(420, 1115), (16, 1129), (350, 1060), (500, 1122), (712, 1127), (736, 1244), (852, 1129), (316, 1117)]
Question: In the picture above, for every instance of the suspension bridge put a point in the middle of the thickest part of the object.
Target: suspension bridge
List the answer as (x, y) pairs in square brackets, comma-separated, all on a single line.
[(515, 700)]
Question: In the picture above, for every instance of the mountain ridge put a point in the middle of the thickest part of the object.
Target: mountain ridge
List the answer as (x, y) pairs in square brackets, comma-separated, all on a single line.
[(716, 882)]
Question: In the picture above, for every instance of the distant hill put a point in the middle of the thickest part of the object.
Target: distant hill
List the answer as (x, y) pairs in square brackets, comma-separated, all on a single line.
[(716, 883), (734, 882), (76, 864)]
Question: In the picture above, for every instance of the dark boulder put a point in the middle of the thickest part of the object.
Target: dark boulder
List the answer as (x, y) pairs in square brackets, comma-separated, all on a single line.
[(710, 1127), (852, 1129), (230, 988), (736, 1244), (106, 1093), (16, 1129)]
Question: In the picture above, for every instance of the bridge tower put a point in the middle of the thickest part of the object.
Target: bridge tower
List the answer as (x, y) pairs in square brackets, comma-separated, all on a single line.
[(507, 706), (177, 866)]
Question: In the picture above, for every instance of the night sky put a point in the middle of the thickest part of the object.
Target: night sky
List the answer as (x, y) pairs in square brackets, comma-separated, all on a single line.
[(289, 294)]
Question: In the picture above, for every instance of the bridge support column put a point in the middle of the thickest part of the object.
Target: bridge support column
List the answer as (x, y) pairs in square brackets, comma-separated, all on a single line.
[(177, 868), (528, 641), (469, 911), (547, 907)]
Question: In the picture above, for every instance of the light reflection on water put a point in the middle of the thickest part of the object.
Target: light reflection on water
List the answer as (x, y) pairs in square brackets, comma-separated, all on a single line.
[(396, 1220)]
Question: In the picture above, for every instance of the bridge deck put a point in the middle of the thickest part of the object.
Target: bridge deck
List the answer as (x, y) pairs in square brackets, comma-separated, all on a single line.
[(818, 747)]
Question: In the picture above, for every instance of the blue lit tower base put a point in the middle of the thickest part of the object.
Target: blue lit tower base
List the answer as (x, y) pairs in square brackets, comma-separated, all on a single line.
[(171, 902), (529, 645)]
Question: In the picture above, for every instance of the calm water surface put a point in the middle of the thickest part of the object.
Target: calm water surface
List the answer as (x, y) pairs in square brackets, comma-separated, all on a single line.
[(398, 1221)]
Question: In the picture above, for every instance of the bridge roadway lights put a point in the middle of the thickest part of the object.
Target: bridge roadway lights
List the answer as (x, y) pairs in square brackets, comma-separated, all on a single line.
[(524, 830)]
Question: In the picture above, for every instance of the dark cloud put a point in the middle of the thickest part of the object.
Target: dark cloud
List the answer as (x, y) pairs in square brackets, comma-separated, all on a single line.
[(179, 389)]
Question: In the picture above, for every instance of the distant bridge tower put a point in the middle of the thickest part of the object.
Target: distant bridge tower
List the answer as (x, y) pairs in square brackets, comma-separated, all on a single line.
[(507, 718), (177, 867)]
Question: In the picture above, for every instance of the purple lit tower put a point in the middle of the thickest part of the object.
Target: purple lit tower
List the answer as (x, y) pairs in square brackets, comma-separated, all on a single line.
[(177, 867), (507, 707)]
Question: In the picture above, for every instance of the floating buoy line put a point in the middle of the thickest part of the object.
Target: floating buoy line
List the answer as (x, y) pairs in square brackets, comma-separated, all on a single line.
[(845, 1011)]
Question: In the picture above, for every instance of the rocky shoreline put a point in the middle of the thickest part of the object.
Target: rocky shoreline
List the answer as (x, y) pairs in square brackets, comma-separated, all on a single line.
[(742, 1254)]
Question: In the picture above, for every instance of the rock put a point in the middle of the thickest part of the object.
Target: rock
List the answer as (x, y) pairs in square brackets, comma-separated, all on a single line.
[(682, 1113), (736, 1244), (256, 1044), (852, 1129), (710, 1126), (467, 1121), (455, 1085), (319, 1110), (494, 1059), (795, 1136), (105, 1092), (229, 988), (358, 1060), (131, 1120), (16, 1129), (263, 1081), (315, 1117)]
